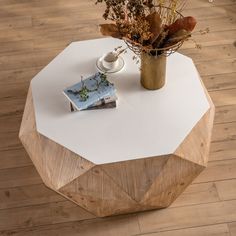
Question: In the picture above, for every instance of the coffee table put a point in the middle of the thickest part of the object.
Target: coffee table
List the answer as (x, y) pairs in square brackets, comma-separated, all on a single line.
[(138, 156)]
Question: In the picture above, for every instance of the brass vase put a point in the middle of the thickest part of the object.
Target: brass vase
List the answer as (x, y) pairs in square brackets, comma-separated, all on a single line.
[(153, 71)]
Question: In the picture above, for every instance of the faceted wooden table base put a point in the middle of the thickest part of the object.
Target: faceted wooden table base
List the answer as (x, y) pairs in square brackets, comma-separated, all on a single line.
[(121, 187)]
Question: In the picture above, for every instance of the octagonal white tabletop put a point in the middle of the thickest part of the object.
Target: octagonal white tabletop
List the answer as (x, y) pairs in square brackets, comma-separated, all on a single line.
[(144, 124)]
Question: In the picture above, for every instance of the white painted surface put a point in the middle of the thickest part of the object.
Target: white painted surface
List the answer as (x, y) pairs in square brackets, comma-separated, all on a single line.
[(145, 123)]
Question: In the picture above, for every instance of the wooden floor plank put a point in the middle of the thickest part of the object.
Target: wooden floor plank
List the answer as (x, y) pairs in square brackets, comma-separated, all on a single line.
[(12, 158), (218, 170), (14, 47), (224, 150), (232, 228), (31, 59), (117, 226), (21, 176), (216, 67), (29, 195), (43, 214), (226, 189), (225, 114), (218, 24), (224, 132), (211, 230), (206, 4), (213, 38), (17, 77), (9, 141), (220, 81), (190, 216), (227, 51), (212, 11), (224, 97), (15, 22)]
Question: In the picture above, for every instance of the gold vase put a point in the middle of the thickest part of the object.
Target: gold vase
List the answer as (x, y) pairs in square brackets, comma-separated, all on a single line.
[(153, 71)]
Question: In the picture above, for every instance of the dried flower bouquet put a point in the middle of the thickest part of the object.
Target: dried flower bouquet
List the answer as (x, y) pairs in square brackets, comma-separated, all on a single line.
[(153, 26)]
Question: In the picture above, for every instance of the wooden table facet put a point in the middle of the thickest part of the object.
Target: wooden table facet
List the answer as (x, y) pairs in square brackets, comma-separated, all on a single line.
[(142, 179)]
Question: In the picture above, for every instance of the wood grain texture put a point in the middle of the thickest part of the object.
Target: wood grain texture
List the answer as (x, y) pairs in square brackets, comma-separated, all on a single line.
[(232, 228), (199, 140), (56, 165), (128, 174), (211, 230), (34, 32), (192, 216)]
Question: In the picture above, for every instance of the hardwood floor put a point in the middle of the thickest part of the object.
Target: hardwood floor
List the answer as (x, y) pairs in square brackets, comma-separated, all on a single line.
[(32, 32)]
